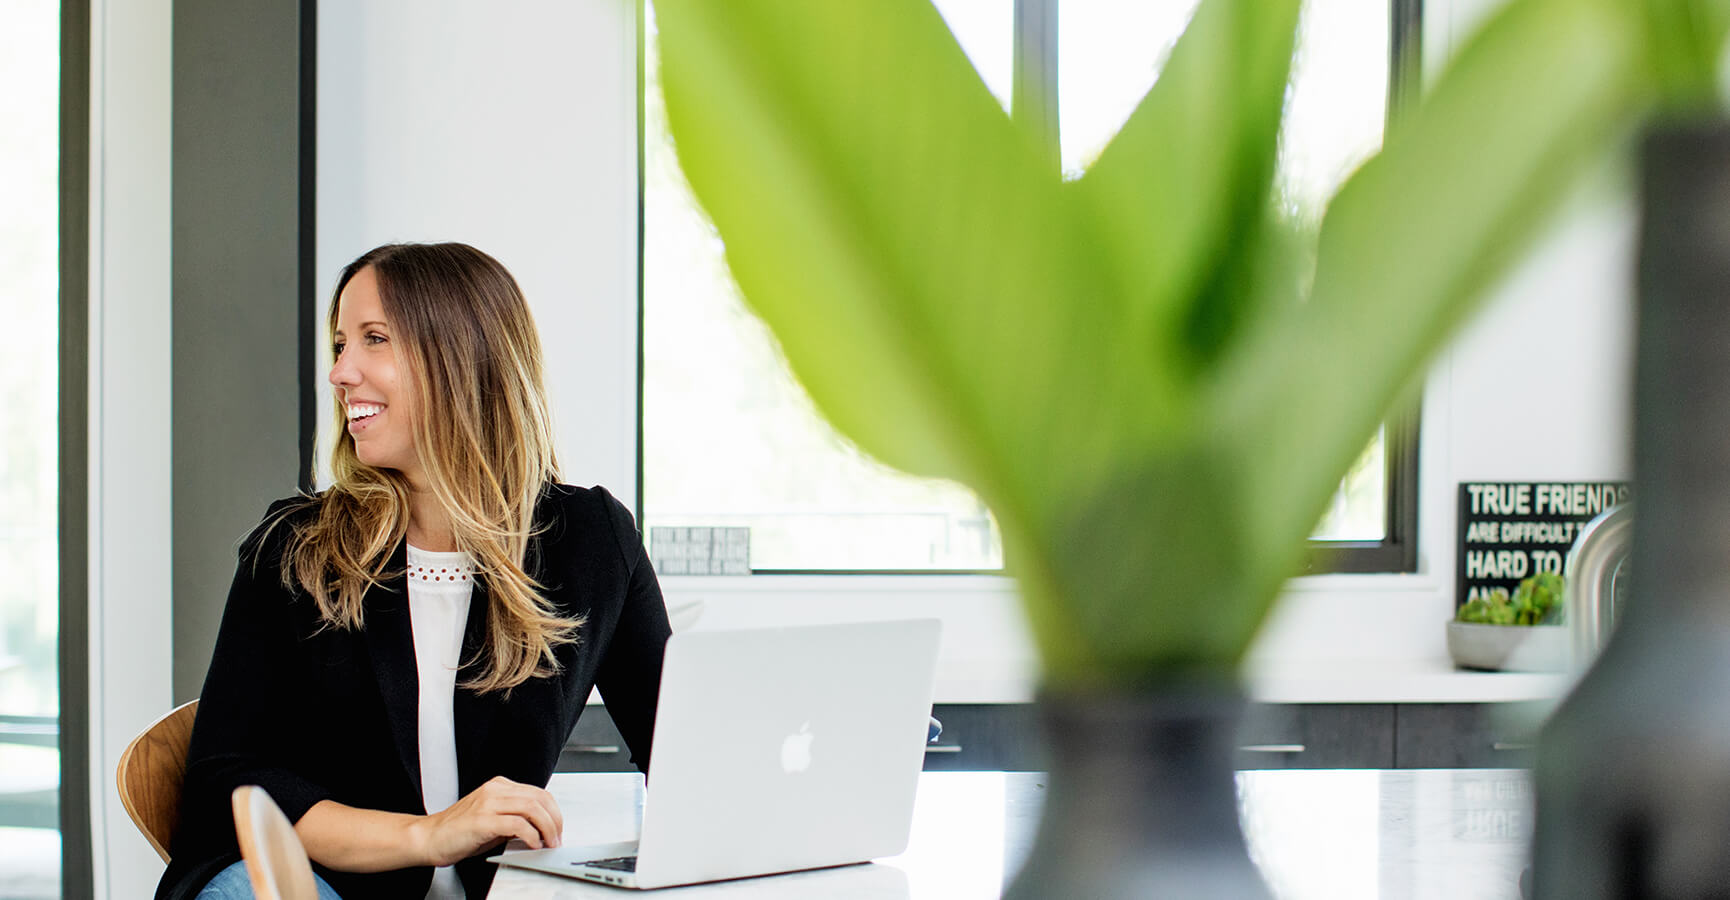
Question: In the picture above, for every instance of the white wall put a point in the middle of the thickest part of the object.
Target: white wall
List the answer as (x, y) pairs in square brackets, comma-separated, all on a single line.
[(511, 127), (129, 339)]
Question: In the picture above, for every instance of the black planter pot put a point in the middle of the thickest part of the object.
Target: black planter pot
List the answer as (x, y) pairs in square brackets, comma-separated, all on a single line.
[(1142, 801), (1633, 774)]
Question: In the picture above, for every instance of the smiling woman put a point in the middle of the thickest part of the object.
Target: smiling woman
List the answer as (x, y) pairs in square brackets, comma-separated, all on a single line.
[(452, 706), (466, 478)]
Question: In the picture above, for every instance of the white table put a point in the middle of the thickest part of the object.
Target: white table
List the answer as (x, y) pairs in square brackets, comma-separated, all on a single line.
[(1446, 834)]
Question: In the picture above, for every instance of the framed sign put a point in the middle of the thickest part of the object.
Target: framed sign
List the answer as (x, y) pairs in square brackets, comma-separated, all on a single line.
[(1514, 530)]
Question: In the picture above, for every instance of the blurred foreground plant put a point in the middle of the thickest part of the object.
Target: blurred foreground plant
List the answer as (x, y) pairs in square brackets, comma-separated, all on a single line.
[(1132, 369)]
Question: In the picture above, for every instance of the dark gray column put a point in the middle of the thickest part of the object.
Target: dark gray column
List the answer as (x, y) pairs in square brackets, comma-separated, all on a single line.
[(241, 233), (77, 875)]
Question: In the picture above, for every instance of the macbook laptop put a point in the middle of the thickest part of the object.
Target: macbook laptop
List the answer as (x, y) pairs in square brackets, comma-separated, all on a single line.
[(775, 750)]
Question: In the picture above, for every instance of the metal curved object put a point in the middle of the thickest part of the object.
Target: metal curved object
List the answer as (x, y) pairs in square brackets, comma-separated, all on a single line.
[(1593, 563)]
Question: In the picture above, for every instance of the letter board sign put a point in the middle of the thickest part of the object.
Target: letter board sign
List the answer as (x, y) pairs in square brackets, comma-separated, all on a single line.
[(1514, 530)]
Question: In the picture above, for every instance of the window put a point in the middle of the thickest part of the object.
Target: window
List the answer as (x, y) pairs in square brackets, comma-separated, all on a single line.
[(29, 448), (728, 439)]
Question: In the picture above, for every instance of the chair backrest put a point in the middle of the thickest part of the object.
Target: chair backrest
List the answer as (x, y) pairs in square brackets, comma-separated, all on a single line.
[(150, 773), (275, 861)]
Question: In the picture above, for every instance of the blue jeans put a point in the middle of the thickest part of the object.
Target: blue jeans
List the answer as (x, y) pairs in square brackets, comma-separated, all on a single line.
[(232, 884)]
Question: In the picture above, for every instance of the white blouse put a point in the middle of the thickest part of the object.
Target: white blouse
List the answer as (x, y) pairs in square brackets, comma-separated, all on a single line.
[(439, 585)]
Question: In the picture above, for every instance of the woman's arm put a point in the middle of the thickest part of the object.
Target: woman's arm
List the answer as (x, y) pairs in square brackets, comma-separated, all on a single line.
[(249, 708), (251, 728), (349, 839)]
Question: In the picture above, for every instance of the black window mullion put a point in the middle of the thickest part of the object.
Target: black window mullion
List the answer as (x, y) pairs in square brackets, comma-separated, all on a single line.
[(1397, 551), (1033, 101), (77, 878), (1405, 56)]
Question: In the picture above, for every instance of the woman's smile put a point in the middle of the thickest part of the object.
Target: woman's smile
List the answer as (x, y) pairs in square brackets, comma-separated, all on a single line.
[(362, 415)]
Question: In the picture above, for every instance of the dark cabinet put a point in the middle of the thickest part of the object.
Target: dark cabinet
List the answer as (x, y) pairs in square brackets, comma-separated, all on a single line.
[(1466, 735), (1005, 737), (595, 745), (987, 737), (1316, 736)]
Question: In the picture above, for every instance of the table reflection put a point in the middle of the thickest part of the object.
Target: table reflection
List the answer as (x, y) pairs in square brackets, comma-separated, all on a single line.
[(1446, 834)]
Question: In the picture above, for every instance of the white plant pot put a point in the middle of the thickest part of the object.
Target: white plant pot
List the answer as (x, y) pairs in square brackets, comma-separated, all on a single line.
[(1508, 648)]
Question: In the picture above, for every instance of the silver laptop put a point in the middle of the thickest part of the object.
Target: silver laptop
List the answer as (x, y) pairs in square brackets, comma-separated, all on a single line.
[(775, 750)]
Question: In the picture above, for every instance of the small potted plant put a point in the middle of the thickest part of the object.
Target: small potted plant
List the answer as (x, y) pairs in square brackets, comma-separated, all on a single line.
[(1518, 632)]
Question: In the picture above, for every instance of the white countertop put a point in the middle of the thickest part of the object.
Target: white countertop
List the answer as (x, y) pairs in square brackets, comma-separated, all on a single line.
[(1383, 681), (1438, 834)]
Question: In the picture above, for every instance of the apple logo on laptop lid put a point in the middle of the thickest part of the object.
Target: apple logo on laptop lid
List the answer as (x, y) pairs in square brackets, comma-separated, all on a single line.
[(796, 750)]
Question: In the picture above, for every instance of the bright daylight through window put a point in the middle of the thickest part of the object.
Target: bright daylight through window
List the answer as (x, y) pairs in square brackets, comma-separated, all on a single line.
[(730, 440), (29, 549)]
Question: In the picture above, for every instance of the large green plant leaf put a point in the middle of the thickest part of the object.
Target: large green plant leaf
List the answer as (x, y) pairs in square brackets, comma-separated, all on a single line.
[(1179, 196), (931, 282), (884, 216), (1414, 239), (1684, 42), (1120, 366)]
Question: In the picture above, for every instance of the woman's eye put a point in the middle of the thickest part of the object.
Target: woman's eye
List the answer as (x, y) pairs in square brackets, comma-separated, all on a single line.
[(336, 349), (375, 338)]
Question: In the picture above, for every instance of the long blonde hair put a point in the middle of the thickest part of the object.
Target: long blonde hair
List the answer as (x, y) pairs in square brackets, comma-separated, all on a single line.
[(483, 435)]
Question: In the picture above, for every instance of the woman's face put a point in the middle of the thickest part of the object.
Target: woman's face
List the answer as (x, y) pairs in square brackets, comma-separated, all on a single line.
[(374, 395)]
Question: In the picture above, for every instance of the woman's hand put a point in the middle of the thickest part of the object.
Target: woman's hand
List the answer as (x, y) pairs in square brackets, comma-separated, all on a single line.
[(495, 812)]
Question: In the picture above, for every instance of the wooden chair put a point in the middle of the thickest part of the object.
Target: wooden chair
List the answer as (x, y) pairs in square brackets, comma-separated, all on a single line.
[(275, 861), (150, 774)]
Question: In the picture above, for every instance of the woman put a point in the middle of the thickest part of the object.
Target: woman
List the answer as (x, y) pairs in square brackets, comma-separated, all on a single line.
[(403, 655)]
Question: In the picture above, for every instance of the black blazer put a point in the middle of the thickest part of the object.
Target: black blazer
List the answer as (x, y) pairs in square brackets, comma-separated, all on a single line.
[(311, 713)]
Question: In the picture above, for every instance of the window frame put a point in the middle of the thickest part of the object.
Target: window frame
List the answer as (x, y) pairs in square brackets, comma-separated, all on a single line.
[(1035, 107), (1397, 551), (77, 846)]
